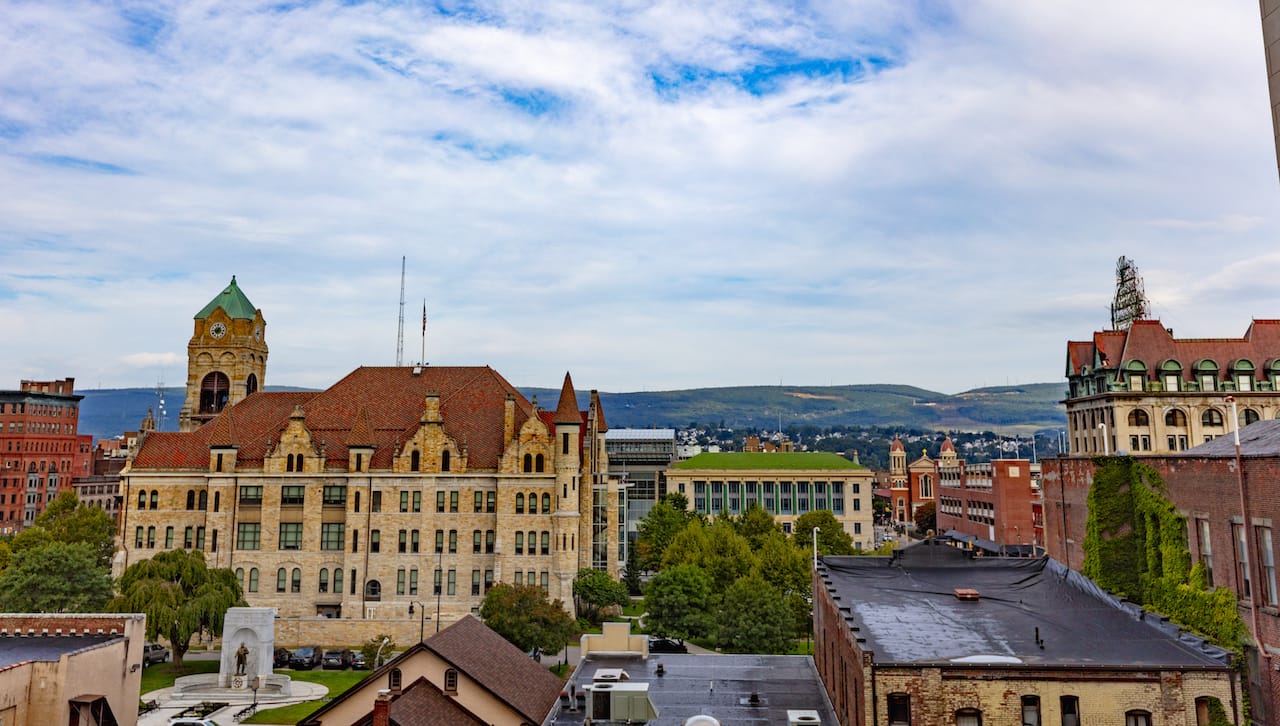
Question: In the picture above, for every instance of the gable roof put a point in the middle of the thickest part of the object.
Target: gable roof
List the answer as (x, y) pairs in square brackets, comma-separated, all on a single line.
[(232, 301), (422, 702), (486, 657), (391, 401)]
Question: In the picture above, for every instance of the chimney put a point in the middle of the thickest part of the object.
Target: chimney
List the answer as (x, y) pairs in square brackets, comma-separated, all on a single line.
[(967, 594), (382, 709)]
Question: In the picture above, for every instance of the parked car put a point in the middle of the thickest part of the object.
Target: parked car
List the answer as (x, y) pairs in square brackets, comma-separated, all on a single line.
[(306, 658), (154, 653), (280, 658), (336, 660), (358, 662), (666, 645), (191, 722)]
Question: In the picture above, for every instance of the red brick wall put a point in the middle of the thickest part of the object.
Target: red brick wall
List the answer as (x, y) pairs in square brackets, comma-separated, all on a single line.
[(838, 659)]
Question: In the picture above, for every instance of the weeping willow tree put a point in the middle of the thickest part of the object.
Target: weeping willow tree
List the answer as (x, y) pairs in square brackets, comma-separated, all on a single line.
[(180, 595)]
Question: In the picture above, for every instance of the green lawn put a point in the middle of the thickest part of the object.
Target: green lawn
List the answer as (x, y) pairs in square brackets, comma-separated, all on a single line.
[(162, 675), (635, 609), (338, 682)]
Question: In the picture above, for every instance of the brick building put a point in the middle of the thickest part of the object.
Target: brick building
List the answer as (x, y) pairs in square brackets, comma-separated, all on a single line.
[(395, 486), (911, 486), (1203, 485), (786, 485), (40, 447), (990, 505), (1142, 391), (933, 637)]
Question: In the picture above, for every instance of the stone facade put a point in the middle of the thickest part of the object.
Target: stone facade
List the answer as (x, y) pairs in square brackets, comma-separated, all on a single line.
[(226, 357), (416, 485), (786, 485), (1143, 392)]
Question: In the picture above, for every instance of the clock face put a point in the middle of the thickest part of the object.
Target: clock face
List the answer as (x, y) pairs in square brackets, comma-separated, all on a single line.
[(217, 330), (257, 332)]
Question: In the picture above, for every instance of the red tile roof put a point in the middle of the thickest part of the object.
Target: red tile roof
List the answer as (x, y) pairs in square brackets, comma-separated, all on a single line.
[(472, 404), (1150, 343)]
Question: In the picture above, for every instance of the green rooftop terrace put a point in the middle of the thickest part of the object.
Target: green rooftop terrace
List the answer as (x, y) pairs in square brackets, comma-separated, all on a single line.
[(752, 460)]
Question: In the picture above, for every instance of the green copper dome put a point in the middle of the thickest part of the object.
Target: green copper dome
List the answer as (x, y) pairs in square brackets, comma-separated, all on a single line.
[(232, 301)]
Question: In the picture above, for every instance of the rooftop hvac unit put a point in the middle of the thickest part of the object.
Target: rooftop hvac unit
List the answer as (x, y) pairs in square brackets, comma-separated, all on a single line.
[(796, 717), (620, 702)]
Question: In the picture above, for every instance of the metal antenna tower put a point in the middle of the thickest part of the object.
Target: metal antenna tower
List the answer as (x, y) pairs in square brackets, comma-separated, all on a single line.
[(1131, 300), (400, 330), (160, 412)]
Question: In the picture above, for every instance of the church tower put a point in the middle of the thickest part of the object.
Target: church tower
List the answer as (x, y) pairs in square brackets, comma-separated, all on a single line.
[(226, 357)]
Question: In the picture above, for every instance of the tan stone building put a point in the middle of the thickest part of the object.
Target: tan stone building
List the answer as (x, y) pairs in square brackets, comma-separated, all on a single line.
[(934, 637), (785, 485), (227, 357), (465, 674), (70, 668), (394, 486), (1142, 391)]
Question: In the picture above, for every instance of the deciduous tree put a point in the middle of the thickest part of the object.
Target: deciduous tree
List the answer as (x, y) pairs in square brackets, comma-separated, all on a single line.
[(594, 590), (757, 525), (718, 549), (526, 618), (754, 618), (659, 527), (832, 539), (677, 602), (55, 577), (180, 595), (926, 518)]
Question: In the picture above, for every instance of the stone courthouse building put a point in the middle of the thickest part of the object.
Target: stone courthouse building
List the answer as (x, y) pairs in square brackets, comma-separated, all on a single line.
[(396, 486)]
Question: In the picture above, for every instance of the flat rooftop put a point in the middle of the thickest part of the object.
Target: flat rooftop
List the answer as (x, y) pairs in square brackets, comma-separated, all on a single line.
[(906, 609), (748, 460), (716, 685), (15, 649)]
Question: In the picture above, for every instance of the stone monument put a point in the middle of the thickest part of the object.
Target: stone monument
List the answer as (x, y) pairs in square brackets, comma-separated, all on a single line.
[(248, 645)]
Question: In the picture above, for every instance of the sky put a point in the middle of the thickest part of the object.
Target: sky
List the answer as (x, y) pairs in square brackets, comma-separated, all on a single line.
[(651, 195)]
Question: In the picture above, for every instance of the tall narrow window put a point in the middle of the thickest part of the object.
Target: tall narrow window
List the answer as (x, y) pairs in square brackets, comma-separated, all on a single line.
[(337, 581), (1030, 711), (1206, 550), (546, 502), (444, 460), (564, 443), (282, 579), (253, 579), (1069, 706), (142, 498), (1266, 560), (1243, 585), (519, 502), (415, 461), (324, 580), (899, 709), (528, 463), (154, 498), (539, 463), (203, 504)]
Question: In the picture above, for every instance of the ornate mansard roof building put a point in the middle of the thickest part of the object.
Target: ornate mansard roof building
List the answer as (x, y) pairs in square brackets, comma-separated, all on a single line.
[(395, 485)]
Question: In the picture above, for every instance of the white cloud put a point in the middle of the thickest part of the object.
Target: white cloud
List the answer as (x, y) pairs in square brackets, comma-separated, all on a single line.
[(942, 206)]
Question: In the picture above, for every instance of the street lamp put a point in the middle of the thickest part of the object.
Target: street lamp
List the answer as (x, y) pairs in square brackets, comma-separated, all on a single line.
[(254, 684), (377, 658), (816, 530), (422, 621)]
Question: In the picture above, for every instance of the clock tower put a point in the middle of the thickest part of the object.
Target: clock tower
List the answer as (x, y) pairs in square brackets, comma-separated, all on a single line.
[(226, 357)]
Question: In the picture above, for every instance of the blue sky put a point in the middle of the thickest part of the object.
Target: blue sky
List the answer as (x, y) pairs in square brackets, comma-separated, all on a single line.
[(652, 195)]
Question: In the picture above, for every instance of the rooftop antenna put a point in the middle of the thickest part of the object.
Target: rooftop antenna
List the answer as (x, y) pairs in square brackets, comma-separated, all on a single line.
[(160, 413), (1131, 302), (400, 330), (422, 360)]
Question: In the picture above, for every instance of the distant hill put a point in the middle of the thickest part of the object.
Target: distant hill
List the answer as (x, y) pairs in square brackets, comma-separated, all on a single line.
[(1005, 409)]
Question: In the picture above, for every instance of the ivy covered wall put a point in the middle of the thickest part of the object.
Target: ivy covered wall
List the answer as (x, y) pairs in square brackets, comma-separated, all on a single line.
[(1136, 546)]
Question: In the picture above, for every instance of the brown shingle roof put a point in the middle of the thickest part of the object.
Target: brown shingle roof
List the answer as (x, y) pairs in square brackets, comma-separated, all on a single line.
[(422, 703), (472, 401), (499, 666), (1149, 342)]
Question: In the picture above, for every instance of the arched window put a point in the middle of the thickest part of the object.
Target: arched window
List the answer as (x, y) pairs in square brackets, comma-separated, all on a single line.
[(926, 487), (1135, 374), (1171, 375), (1175, 417), (394, 679), (251, 384), (519, 502), (253, 579), (142, 499), (1242, 371), (204, 501), (324, 579), (240, 576), (539, 463), (282, 579), (528, 463), (373, 590), (337, 580), (214, 390), (451, 681), (1137, 718), (444, 460), (298, 464), (137, 542), (168, 538), (1206, 372), (546, 502), (546, 543), (155, 497), (1069, 707), (1139, 417), (533, 543), (533, 503), (191, 499), (519, 541), (295, 582), (1248, 416), (151, 537), (288, 463), (415, 460), (968, 717), (1211, 417)]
